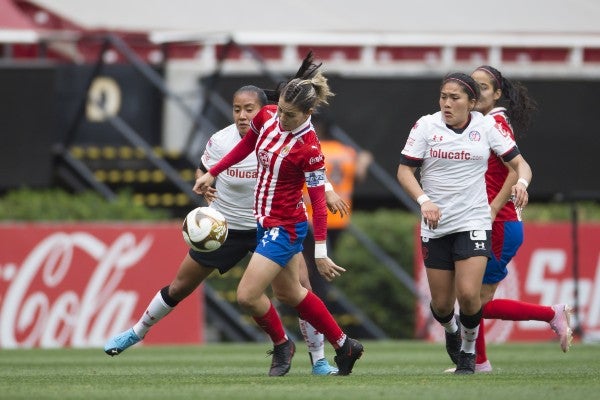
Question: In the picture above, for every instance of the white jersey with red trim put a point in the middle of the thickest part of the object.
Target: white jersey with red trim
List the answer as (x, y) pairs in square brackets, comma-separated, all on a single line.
[(453, 169), (235, 185), (285, 159)]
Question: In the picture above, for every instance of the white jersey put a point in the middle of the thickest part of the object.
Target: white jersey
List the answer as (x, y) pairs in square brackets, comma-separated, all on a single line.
[(453, 169), (235, 185)]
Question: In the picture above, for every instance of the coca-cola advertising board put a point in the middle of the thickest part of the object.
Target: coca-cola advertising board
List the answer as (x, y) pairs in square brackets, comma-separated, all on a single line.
[(542, 272), (75, 285)]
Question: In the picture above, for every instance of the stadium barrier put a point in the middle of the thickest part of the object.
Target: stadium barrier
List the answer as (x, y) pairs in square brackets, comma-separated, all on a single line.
[(543, 273), (77, 284)]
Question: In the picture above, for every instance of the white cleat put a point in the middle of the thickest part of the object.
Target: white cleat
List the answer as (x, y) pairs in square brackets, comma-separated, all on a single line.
[(561, 325)]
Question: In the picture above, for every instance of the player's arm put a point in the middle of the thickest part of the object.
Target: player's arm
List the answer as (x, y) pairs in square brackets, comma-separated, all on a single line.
[(315, 184), (504, 194), (429, 210)]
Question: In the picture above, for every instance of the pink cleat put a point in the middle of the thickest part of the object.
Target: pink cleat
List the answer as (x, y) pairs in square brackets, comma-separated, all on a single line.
[(561, 325)]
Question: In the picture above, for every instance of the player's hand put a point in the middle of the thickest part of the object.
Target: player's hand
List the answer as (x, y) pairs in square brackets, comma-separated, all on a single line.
[(431, 214), (328, 269), (336, 204), (203, 183), (519, 195), (210, 195)]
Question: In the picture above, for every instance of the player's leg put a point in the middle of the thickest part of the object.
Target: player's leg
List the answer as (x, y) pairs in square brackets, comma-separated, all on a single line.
[(440, 277), (313, 338), (469, 273), (189, 275)]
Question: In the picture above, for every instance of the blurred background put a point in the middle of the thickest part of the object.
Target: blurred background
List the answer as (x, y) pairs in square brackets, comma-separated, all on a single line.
[(118, 97)]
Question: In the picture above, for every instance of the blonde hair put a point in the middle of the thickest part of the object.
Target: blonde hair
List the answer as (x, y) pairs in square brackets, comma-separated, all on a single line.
[(307, 93)]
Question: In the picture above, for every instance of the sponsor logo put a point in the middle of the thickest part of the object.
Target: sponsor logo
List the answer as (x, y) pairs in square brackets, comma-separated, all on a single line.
[(479, 245), (437, 138), (314, 160), (452, 155), (239, 173), (478, 235)]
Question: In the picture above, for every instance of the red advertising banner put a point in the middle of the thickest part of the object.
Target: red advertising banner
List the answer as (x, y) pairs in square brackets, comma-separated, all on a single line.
[(75, 285), (543, 272)]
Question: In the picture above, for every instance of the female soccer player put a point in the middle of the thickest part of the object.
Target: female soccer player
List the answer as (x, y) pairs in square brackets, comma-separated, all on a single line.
[(235, 203), (507, 227), (452, 148), (289, 156)]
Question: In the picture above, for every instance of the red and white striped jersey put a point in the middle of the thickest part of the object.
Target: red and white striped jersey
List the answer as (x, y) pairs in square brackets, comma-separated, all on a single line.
[(496, 172), (286, 160)]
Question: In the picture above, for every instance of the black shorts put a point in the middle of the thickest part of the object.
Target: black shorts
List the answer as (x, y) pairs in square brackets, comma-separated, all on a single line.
[(441, 253), (234, 249)]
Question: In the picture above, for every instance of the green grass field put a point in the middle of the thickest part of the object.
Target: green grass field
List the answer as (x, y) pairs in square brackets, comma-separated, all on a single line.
[(387, 370)]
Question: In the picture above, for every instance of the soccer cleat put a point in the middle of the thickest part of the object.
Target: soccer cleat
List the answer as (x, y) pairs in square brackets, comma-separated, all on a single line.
[(282, 358), (347, 355), (561, 325), (484, 367), (466, 363), (454, 343), (121, 342), (322, 367)]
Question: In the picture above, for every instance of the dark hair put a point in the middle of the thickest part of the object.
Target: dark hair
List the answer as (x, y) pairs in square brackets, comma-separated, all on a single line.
[(468, 84), (515, 97), (260, 94)]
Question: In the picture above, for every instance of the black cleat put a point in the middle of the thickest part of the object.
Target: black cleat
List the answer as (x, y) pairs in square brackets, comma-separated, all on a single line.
[(465, 364), (282, 358), (453, 344), (347, 355)]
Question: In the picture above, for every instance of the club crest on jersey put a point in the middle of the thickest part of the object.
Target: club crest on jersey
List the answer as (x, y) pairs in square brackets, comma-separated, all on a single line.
[(264, 157), (474, 136)]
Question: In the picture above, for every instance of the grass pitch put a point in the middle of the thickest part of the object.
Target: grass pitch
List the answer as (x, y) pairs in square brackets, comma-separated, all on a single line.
[(387, 370)]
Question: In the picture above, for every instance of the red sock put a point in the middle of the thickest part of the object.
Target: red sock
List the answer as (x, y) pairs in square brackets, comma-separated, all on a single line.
[(271, 324), (481, 357), (514, 310), (313, 310)]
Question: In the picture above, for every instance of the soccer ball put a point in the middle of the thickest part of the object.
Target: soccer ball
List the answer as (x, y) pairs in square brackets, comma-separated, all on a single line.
[(204, 229)]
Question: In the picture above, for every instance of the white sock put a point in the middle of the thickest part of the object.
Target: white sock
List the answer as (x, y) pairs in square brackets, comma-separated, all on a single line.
[(314, 341), (157, 309), (451, 326), (469, 336)]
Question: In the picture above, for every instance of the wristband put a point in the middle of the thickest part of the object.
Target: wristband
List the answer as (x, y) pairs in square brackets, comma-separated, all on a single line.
[(524, 182), (422, 199), (320, 250), (328, 187)]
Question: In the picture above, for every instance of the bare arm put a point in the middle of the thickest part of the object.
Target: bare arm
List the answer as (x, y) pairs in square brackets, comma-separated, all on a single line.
[(429, 210), (519, 190), (505, 191)]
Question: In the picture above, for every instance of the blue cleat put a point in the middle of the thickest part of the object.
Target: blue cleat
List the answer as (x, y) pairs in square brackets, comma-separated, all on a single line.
[(322, 367), (119, 343)]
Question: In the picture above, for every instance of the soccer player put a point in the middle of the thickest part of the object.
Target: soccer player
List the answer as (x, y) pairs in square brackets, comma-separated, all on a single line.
[(507, 227), (452, 148), (289, 156), (236, 188)]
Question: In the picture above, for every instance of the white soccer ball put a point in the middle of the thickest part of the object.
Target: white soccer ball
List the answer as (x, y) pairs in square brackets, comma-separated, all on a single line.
[(204, 229)]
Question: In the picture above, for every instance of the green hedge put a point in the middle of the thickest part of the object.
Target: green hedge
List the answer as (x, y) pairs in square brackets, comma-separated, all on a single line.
[(367, 283), (59, 205), (377, 292)]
